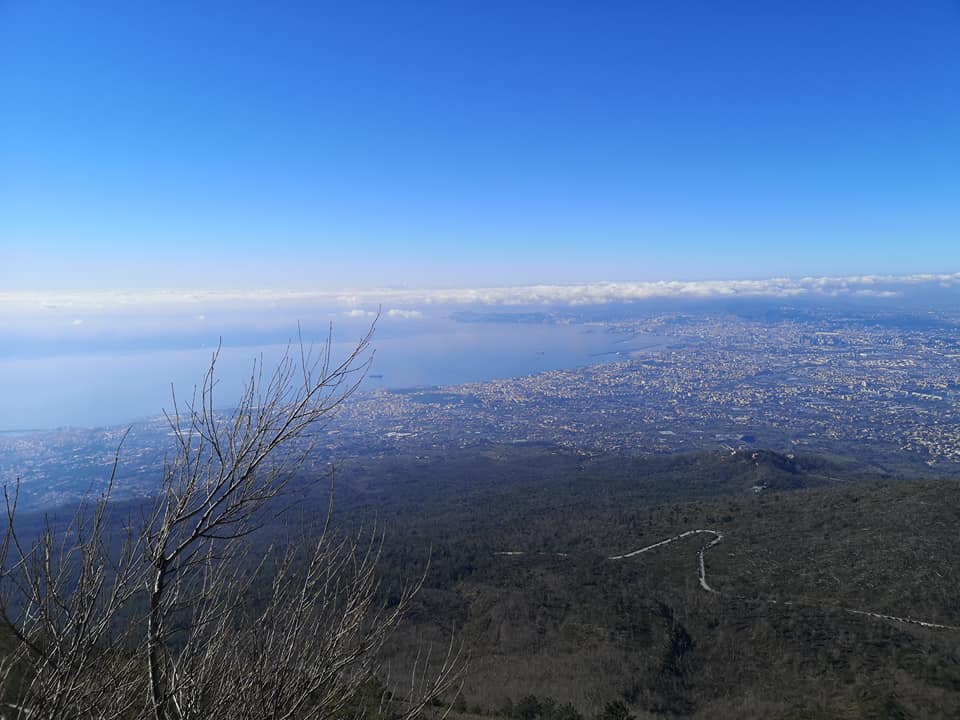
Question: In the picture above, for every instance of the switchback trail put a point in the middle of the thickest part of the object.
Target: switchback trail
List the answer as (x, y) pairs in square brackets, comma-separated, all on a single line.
[(701, 567), (702, 577)]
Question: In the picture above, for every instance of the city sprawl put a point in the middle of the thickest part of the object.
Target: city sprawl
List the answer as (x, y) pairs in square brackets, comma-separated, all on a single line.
[(883, 387)]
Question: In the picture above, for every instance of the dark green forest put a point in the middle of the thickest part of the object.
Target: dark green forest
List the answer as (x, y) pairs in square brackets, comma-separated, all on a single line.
[(513, 543), (805, 541)]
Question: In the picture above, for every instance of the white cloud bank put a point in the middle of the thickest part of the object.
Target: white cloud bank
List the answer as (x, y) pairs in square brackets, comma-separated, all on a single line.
[(404, 314), (362, 303)]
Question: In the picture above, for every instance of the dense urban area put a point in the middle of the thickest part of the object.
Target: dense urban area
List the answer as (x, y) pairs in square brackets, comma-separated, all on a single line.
[(834, 385), (850, 385)]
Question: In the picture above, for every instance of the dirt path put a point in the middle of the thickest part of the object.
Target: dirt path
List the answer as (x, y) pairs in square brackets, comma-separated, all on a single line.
[(702, 577)]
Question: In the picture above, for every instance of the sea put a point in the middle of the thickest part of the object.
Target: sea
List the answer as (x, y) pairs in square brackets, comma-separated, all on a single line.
[(98, 386)]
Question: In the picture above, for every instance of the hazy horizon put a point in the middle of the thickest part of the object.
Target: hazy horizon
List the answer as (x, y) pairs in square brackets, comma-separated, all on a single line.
[(260, 166), (109, 357), (639, 278)]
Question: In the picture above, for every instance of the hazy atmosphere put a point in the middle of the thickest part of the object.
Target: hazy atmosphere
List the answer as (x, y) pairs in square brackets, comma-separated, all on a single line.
[(176, 178), (106, 357), (479, 360)]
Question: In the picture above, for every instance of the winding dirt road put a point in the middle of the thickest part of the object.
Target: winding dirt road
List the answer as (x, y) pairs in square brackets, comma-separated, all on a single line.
[(702, 577), (701, 566)]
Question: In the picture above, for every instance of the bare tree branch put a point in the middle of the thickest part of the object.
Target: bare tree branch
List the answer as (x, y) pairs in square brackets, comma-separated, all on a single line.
[(177, 618)]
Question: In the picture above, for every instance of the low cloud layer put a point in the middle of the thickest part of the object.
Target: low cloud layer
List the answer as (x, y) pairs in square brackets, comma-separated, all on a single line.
[(364, 303), (404, 314)]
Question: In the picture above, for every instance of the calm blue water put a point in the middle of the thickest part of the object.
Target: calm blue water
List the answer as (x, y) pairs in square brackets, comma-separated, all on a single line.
[(101, 388)]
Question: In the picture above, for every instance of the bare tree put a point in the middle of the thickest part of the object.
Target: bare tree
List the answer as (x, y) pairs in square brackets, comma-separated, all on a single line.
[(170, 618)]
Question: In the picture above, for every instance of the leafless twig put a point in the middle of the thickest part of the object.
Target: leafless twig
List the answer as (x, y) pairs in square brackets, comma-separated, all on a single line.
[(173, 619)]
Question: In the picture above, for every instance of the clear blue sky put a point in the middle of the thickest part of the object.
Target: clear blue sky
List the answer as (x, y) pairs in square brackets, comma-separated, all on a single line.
[(229, 144)]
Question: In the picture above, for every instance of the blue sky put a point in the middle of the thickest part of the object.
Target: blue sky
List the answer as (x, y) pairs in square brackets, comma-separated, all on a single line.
[(314, 145)]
